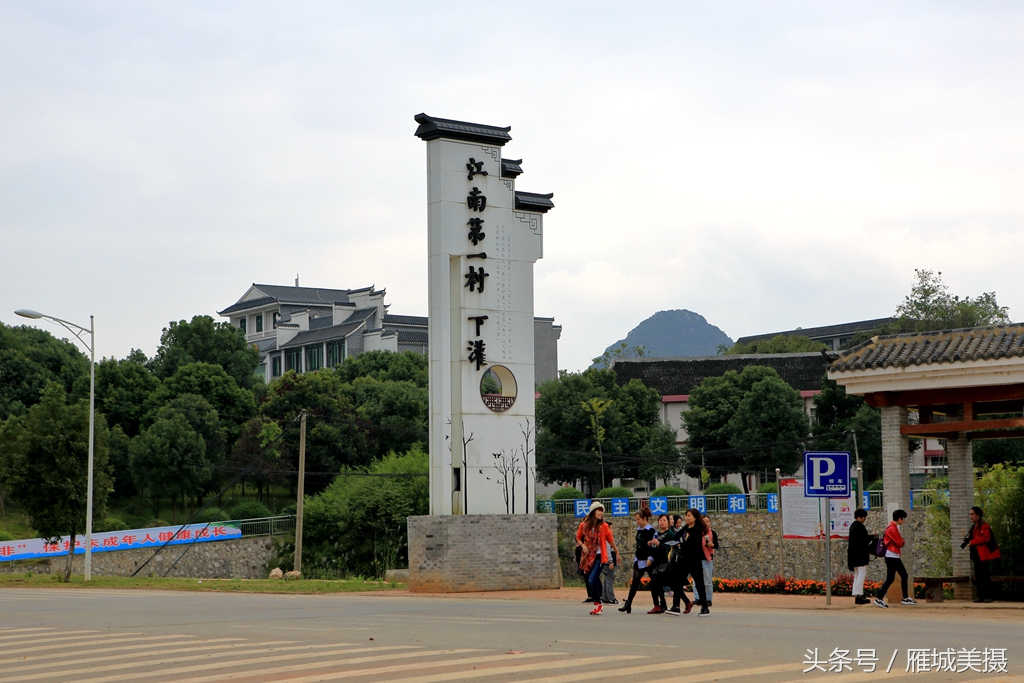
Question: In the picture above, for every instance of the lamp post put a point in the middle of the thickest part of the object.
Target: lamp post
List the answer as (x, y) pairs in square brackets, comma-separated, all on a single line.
[(78, 331)]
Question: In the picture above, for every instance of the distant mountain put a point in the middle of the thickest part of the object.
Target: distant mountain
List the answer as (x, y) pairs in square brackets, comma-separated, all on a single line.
[(680, 332)]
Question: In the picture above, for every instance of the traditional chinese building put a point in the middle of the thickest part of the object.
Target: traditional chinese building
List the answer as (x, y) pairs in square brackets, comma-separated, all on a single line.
[(834, 336), (308, 328)]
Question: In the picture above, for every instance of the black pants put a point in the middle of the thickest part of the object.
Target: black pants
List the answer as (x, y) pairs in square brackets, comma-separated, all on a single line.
[(983, 577), (894, 566), (635, 584), (696, 570)]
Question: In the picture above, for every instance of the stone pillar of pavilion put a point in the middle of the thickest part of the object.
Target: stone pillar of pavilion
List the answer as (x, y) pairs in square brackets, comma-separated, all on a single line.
[(896, 495), (952, 378), (961, 498)]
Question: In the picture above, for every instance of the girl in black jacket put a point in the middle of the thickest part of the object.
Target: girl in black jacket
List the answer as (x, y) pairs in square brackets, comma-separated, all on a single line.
[(643, 554), (857, 555)]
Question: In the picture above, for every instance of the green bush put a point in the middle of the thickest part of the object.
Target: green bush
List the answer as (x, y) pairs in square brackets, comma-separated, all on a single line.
[(211, 515), (250, 509), (876, 485), (718, 489), (157, 522), (670, 491), (4, 536), (768, 487), (357, 526), (109, 524), (567, 492), (614, 492), (937, 483)]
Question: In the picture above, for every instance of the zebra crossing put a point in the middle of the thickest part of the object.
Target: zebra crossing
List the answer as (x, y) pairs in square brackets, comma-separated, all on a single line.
[(50, 655)]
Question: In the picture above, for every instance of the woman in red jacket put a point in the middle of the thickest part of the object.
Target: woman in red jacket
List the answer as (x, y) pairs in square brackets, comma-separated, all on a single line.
[(893, 541), (983, 550), (595, 540)]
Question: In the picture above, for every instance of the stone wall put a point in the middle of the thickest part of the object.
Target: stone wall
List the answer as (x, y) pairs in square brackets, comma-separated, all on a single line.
[(748, 548), (243, 558), (462, 553)]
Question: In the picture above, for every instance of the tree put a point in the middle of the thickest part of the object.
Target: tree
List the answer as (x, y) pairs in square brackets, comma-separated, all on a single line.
[(635, 442), (358, 524), (407, 366), (930, 306), (204, 340), (44, 457), (123, 388), (29, 358), (783, 343), (393, 412), (732, 413), (234, 405), (837, 414), (169, 459), (770, 412)]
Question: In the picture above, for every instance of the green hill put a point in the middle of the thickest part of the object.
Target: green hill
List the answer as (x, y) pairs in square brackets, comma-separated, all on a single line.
[(668, 334)]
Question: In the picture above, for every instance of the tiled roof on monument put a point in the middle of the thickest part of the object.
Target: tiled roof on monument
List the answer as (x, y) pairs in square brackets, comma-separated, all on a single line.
[(533, 201), (678, 376), (432, 128), (926, 348)]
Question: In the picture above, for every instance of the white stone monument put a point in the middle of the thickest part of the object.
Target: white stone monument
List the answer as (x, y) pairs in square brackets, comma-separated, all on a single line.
[(484, 238)]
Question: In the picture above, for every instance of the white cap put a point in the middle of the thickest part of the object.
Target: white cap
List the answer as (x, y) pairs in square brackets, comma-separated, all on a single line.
[(596, 505)]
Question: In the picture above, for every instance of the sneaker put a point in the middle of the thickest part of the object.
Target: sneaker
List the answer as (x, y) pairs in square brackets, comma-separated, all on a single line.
[(860, 600), (588, 601), (908, 601), (674, 611), (881, 604), (598, 607), (656, 610), (709, 603), (704, 612), (609, 602)]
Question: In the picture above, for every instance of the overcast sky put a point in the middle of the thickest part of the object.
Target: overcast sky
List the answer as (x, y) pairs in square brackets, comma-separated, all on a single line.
[(767, 165)]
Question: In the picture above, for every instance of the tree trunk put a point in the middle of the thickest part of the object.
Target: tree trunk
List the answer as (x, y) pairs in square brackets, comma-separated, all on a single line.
[(746, 484), (71, 558)]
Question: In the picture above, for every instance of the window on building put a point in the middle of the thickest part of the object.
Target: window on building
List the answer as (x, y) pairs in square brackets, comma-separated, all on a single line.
[(314, 357), (241, 325), (275, 317), (275, 366), (293, 360), (335, 353), (259, 322)]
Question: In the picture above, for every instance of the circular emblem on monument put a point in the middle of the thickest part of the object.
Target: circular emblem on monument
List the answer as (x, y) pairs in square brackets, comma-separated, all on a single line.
[(498, 388)]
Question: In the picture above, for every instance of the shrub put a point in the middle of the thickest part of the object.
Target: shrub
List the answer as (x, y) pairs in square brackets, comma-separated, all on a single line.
[(670, 491), (768, 487), (567, 492), (718, 489), (250, 509), (108, 524), (614, 492), (876, 485), (157, 522), (211, 515), (4, 536), (937, 483)]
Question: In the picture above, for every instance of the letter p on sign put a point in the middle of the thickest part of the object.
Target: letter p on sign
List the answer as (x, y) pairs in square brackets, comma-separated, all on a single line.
[(826, 474)]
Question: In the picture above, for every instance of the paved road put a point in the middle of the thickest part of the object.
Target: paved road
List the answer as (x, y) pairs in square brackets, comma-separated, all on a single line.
[(97, 636)]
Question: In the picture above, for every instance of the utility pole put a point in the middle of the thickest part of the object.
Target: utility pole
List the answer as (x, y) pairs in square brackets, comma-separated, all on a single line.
[(860, 472), (302, 493), (782, 537)]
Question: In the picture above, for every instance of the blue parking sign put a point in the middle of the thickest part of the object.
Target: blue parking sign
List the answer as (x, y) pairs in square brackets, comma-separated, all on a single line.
[(659, 505), (773, 502), (865, 500), (582, 507), (620, 507), (826, 474), (699, 503), (737, 503)]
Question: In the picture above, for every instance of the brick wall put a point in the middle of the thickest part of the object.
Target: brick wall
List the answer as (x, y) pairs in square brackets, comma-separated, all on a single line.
[(462, 553)]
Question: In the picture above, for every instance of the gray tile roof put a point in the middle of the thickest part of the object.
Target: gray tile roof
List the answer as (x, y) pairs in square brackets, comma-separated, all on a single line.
[(412, 336), (531, 201), (392, 319), (325, 334), (293, 295), (678, 376), (926, 348), (511, 168), (827, 331), (246, 305), (431, 128)]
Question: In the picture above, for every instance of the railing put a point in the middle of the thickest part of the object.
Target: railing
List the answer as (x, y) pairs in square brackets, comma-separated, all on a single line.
[(719, 503), (263, 526)]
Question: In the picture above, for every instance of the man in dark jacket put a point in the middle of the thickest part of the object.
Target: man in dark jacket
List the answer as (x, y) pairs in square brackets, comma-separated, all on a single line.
[(857, 556), (983, 550)]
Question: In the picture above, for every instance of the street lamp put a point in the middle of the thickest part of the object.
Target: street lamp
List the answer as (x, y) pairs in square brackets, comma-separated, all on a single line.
[(78, 331)]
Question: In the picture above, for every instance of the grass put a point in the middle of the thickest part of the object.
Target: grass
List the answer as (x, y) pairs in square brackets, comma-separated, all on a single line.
[(302, 586)]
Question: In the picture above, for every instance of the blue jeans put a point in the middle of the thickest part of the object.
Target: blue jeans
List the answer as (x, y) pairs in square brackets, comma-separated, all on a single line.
[(707, 566), (594, 582)]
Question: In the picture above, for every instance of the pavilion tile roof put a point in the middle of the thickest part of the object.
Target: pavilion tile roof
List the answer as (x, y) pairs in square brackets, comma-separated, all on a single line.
[(678, 376), (926, 348)]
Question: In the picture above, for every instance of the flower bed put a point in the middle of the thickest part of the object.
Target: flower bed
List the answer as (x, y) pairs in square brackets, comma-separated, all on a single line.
[(843, 585)]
